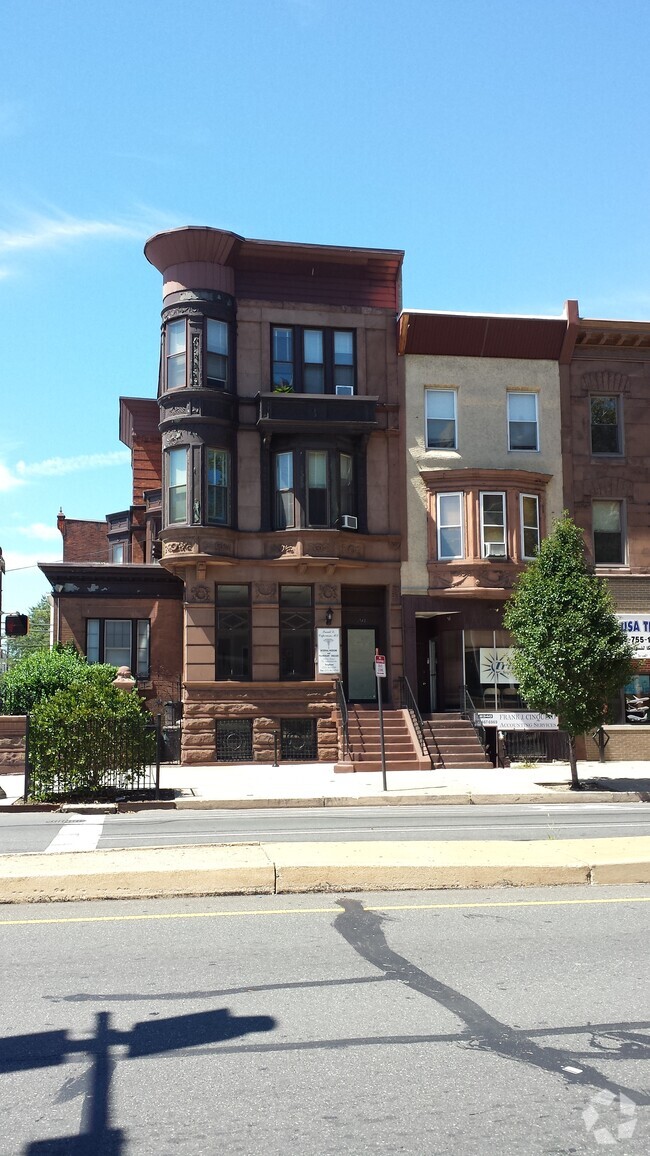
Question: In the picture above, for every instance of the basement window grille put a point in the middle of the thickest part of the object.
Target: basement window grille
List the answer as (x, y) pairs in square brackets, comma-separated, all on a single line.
[(234, 740), (298, 739)]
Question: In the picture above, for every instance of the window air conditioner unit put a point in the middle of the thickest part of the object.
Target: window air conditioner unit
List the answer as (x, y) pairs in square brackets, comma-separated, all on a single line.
[(344, 390), (349, 522), (495, 550)]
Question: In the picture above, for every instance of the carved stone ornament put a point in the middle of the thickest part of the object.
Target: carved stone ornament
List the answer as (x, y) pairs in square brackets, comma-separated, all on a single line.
[(196, 361), (199, 593), (352, 551), (176, 548), (280, 549), (172, 435), (320, 549), (175, 411), (196, 510), (328, 593), (605, 381), (395, 595), (265, 591), (181, 311)]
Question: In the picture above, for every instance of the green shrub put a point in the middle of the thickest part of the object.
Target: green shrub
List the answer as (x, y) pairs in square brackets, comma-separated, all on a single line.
[(38, 676), (86, 738)]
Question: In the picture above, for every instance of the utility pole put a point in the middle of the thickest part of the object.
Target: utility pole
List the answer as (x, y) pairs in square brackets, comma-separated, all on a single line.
[(2, 570)]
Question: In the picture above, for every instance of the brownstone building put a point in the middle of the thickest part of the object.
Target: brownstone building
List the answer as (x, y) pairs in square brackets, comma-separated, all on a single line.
[(606, 433), (262, 550)]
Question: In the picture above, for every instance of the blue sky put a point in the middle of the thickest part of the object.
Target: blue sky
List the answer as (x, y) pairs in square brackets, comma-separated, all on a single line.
[(501, 143)]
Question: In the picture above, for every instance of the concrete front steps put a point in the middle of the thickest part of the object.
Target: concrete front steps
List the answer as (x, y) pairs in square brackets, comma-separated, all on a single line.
[(401, 747), (457, 742)]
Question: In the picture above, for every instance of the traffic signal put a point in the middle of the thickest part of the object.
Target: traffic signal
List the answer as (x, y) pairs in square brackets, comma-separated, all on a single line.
[(16, 625)]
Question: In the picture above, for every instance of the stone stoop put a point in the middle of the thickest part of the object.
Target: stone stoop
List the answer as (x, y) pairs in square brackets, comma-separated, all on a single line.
[(402, 752), (457, 742)]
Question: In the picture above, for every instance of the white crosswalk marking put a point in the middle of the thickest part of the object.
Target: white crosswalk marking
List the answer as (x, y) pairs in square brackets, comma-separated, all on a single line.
[(79, 833)]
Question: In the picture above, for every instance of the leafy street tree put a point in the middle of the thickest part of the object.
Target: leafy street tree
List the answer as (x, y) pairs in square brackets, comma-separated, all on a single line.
[(39, 633), (570, 655)]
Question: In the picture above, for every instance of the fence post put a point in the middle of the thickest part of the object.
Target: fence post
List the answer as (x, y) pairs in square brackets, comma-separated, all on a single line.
[(158, 744), (26, 786)]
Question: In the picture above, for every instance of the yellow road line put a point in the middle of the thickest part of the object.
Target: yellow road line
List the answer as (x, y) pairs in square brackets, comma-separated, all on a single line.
[(326, 910)]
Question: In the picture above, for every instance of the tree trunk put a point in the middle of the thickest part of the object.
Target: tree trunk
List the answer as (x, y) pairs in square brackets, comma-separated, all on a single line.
[(573, 763)]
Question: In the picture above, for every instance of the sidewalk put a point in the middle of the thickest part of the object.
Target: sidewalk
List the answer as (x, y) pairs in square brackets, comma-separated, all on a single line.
[(316, 784)]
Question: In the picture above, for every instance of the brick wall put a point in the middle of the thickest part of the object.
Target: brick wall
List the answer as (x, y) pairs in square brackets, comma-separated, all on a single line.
[(83, 541), (625, 742)]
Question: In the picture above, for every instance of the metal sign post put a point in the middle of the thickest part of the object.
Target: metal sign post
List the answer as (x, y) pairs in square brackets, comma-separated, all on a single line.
[(380, 672)]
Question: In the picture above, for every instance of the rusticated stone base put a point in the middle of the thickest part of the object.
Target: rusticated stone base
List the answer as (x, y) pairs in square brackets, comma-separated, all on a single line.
[(12, 743), (266, 704)]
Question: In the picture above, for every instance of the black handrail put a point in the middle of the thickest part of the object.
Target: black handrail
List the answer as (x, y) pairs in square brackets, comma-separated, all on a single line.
[(468, 710), (409, 703), (343, 712)]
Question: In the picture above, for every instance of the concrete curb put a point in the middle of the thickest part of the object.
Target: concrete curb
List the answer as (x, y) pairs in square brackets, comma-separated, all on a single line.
[(469, 798), (294, 868)]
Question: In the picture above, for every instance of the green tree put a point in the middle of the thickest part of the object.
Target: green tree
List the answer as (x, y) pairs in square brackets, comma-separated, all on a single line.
[(38, 637), (38, 676), (570, 655)]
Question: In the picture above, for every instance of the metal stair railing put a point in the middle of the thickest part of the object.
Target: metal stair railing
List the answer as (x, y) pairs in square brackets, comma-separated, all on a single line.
[(343, 712), (469, 711), (409, 704)]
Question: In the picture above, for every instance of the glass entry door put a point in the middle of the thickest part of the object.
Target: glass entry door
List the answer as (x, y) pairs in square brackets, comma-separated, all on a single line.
[(360, 663)]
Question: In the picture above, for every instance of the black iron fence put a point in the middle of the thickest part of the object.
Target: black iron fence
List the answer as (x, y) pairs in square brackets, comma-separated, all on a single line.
[(97, 759), (536, 746), (298, 740), (234, 740)]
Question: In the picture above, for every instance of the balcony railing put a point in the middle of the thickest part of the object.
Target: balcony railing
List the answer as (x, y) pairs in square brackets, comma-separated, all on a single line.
[(305, 410)]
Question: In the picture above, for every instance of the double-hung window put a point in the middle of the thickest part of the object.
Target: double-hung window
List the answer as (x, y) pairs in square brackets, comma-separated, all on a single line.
[(309, 360), (218, 479), (493, 525), (317, 488), (285, 516), (216, 342), (609, 544), (313, 488), (523, 432), (119, 642), (449, 521), (440, 416), (605, 425), (177, 485), (529, 516), (175, 336)]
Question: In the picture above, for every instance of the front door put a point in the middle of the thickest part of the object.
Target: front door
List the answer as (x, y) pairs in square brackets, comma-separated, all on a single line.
[(433, 684), (360, 664)]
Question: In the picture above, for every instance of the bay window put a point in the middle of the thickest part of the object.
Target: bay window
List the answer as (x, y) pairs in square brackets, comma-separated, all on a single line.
[(177, 485), (216, 342), (449, 526), (218, 486), (317, 488), (529, 519), (493, 525), (176, 340), (284, 494)]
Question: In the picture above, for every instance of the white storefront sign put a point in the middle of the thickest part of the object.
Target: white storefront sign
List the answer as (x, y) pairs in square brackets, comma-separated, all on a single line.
[(637, 630), (329, 650), (518, 720)]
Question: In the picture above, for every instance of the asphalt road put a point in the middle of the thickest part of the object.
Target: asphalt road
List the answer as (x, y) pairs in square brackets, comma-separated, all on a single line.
[(425, 1023), (49, 831)]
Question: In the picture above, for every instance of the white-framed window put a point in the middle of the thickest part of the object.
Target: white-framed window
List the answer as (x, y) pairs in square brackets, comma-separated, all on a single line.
[(449, 526), (218, 479), (177, 484), (608, 523), (606, 425), (529, 518), (120, 642), (523, 426), (440, 419), (176, 342), (493, 525), (216, 342)]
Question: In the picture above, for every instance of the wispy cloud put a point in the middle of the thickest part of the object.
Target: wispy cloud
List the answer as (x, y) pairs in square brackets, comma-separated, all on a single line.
[(42, 232), (56, 467), (40, 531), (23, 472)]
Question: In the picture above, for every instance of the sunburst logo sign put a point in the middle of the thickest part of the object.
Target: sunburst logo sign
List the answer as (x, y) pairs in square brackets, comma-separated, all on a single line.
[(496, 665)]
